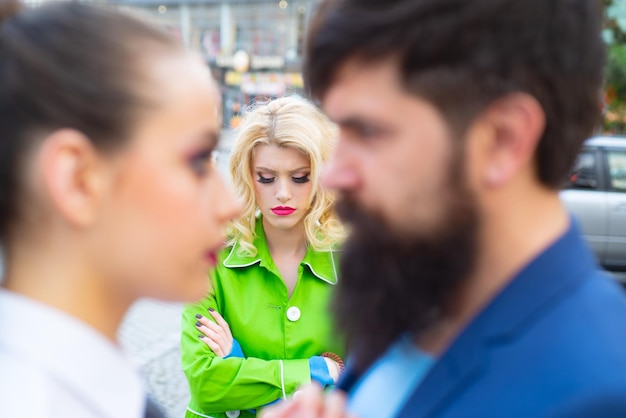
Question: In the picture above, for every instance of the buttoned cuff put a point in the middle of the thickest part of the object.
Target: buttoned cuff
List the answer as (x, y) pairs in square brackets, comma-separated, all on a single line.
[(236, 350), (319, 371), (294, 373)]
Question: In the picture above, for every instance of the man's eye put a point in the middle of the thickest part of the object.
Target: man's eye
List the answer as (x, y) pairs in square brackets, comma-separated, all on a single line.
[(201, 161), (265, 180), (301, 179), (367, 131)]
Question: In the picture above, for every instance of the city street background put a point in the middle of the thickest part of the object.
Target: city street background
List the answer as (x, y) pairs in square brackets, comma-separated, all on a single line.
[(150, 334)]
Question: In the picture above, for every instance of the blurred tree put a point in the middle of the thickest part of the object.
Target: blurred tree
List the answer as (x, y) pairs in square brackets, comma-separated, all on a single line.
[(615, 76), (611, 23)]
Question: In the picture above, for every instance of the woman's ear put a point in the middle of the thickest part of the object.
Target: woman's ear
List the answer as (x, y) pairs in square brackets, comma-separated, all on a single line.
[(71, 173), (516, 123)]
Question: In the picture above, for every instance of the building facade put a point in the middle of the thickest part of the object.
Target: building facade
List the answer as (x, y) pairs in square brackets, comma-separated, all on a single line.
[(254, 48)]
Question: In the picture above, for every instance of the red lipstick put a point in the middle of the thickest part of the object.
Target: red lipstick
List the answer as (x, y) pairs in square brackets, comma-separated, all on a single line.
[(211, 257), (283, 210)]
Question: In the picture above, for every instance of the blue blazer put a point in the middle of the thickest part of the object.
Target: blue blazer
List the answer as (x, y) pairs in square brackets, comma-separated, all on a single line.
[(551, 344)]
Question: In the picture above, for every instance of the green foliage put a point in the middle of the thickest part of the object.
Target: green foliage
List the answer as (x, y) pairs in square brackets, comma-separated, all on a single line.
[(615, 89), (615, 75)]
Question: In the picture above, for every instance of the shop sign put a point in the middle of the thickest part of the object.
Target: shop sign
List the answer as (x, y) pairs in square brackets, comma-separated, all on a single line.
[(263, 83), (272, 62), (256, 61)]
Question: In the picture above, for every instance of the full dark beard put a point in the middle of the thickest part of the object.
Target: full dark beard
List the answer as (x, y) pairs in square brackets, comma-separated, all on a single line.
[(397, 282)]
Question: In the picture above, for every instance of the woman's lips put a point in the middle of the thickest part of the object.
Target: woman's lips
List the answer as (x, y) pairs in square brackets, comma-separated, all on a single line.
[(283, 210), (211, 257)]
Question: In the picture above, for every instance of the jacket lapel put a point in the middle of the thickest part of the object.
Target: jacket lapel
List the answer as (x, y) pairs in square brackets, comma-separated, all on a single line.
[(322, 264), (535, 289), (455, 370)]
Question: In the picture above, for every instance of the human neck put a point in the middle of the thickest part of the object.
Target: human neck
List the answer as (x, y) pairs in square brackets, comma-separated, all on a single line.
[(57, 276), (520, 227), (287, 243)]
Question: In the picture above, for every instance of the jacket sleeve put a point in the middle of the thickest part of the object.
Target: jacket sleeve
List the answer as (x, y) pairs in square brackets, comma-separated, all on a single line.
[(223, 384), (605, 403)]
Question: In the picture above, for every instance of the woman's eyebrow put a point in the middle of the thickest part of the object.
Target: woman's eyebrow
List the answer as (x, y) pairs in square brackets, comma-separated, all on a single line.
[(269, 170)]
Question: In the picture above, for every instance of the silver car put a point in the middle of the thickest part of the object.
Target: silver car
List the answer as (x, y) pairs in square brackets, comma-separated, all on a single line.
[(596, 196)]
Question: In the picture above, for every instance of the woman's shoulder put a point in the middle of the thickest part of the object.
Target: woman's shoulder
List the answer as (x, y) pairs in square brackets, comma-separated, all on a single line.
[(239, 254), (20, 383), (232, 261), (324, 264)]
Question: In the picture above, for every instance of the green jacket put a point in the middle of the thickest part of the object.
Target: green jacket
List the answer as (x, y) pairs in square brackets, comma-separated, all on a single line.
[(278, 335)]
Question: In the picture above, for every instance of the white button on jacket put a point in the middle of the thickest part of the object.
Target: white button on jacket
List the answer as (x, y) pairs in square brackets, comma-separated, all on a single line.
[(293, 313)]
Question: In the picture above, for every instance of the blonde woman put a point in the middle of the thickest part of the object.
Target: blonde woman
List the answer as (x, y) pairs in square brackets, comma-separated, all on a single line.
[(264, 329)]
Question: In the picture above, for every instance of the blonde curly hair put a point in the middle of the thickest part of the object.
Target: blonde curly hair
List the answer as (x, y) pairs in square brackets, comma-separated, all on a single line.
[(291, 122)]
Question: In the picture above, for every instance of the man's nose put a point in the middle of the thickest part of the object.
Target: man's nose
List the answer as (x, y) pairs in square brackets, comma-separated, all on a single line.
[(340, 172)]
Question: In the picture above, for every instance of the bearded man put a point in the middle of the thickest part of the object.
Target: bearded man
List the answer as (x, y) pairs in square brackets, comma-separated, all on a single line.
[(466, 289)]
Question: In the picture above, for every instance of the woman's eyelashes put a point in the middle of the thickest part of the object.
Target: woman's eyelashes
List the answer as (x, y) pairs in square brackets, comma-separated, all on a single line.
[(200, 161), (296, 179), (265, 180)]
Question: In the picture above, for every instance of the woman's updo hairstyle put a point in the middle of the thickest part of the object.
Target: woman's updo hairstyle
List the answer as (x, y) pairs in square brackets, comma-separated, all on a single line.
[(67, 65)]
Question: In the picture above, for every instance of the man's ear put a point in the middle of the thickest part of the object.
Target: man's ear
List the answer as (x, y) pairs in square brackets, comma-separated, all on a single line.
[(72, 175), (516, 123)]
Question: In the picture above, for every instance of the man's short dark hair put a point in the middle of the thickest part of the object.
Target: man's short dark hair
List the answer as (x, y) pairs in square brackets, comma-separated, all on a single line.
[(461, 55)]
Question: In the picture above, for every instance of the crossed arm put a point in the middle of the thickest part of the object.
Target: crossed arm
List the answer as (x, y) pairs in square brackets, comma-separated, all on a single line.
[(218, 337)]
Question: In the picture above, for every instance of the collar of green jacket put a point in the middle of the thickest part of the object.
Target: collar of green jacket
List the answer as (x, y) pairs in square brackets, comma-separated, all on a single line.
[(323, 264)]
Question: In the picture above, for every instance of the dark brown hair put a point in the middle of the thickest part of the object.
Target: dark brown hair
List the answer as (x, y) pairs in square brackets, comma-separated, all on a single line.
[(462, 55), (66, 65)]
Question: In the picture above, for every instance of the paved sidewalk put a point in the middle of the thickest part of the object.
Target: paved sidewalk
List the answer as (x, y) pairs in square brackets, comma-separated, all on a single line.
[(150, 334)]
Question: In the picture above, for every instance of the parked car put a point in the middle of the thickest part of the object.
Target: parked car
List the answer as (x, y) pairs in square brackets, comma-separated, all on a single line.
[(596, 195)]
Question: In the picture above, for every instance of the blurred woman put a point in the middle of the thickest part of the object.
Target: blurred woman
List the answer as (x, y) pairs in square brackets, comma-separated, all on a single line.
[(107, 194), (264, 328)]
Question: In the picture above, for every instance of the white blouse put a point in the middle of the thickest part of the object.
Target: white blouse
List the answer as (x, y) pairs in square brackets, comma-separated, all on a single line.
[(53, 365)]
